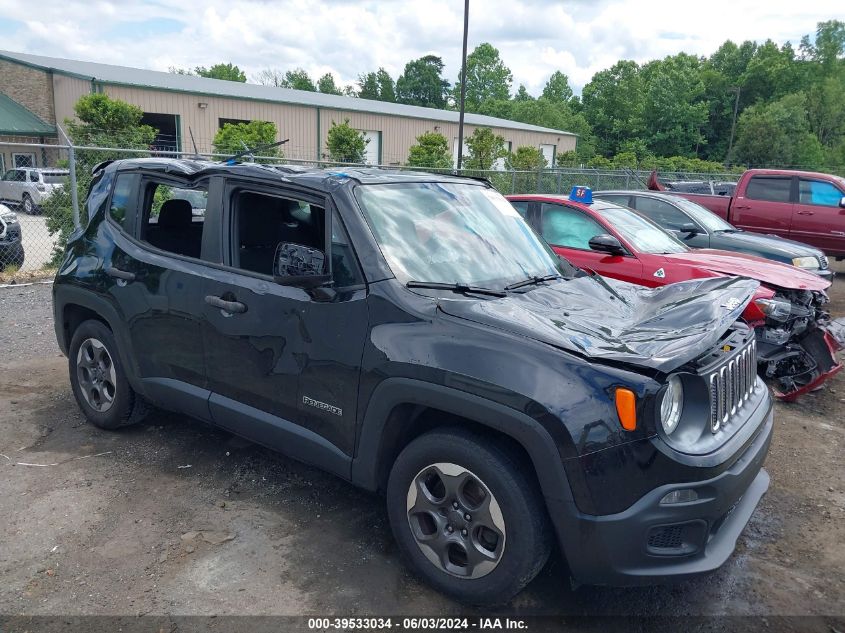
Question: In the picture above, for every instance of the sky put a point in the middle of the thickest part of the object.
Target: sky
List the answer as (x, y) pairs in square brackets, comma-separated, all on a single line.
[(350, 37)]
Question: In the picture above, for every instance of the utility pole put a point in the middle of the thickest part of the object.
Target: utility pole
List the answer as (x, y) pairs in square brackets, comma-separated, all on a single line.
[(733, 124), (463, 88)]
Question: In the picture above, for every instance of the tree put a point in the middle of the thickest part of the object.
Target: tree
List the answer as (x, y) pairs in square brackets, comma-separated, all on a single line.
[(233, 138), (778, 134), (270, 77), (326, 84), (522, 94), (557, 88), (431, 151), (298, 79), (487, 77), (422, 83), (673, 107), (345, 144), (484, 148), (613, 105), (828, 47), (100, 122), (228, 72), (526, 158), (377, 85)]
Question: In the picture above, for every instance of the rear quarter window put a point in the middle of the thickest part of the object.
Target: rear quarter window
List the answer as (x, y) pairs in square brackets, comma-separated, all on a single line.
[(769, 189)]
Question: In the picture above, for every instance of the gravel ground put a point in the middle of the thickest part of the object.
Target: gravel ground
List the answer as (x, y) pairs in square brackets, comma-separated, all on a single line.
[(176, 517)]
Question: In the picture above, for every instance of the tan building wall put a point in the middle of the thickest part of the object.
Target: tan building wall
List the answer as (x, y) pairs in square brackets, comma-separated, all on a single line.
[(30, 87), (67, 91), (44, 156)]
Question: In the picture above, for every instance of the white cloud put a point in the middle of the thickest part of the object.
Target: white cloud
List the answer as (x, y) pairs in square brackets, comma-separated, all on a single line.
[(348, 37)]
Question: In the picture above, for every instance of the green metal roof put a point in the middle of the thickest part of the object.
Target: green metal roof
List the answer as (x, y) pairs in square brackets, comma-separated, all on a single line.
[(17, 120)]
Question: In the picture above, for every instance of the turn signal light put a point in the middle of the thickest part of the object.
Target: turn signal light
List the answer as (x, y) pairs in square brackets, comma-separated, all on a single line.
[(626, 408)]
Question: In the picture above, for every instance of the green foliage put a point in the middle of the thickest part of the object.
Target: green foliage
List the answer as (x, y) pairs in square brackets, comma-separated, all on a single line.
[(228, 71), (326, 85), (345, 144), (298, 79), (526, 158), (613, 105), (422, 83), (522, 94), (487, 78), (557, 88), (100, 122), (484, 148), (377, 85), (430, 151), (233, 138)]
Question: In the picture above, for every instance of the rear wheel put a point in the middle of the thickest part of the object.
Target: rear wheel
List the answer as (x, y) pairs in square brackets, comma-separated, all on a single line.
[(98, 379), (27, 204), (467, 517)]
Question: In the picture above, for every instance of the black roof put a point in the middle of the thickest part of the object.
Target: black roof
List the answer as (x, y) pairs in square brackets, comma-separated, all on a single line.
[(323, 179)]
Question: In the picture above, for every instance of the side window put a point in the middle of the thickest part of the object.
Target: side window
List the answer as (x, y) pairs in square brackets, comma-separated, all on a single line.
[(624, 201), (566, 227), (661, 212), (521, 207), (262, 222), (769, 189), (33, 176), (9, 175), (123, 190), (818, 192), (172, 217), (345, 269)]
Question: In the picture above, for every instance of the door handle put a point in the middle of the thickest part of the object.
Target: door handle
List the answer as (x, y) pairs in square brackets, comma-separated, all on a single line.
[(741, 207), (232, 307), (122, 275), (805, 213)]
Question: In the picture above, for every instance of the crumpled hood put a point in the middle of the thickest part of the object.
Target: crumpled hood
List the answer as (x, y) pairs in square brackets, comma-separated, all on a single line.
[(742, 265), (658, 328)]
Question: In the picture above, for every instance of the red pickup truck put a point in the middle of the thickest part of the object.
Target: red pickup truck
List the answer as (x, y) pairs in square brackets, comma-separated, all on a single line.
[(801, 205)]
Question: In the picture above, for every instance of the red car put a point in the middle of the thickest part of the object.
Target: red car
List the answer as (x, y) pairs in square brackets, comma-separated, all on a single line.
[(795, 351)]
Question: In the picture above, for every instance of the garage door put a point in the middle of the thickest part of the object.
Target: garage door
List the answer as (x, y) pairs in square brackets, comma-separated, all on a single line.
[(372, 153)]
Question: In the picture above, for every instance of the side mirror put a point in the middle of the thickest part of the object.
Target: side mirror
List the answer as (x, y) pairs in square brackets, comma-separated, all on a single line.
[(606, 244), (300, 266), (842, 202), (689, 228)]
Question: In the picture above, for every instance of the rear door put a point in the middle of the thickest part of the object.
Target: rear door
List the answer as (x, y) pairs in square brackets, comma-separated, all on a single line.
[(284, 366), (569, 231), (670, 218), (10, 187), (818, 219), (764, 205)]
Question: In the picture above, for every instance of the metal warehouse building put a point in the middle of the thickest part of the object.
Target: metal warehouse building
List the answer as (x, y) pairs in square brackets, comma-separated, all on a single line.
[(36, 92)]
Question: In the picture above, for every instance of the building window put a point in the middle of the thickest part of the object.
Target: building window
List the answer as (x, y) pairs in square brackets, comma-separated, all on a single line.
[(2, 164), (24, 159)]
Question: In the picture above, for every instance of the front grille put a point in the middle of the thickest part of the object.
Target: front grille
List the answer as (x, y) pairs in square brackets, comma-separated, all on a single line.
[(666, 537), (823, 263), (731, 384)]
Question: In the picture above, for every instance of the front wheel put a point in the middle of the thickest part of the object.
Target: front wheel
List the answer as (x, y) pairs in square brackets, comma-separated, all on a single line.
[(98, 379), (467, 516)]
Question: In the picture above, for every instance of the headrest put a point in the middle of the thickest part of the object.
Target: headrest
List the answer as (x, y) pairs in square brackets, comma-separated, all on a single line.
[(175, 213)]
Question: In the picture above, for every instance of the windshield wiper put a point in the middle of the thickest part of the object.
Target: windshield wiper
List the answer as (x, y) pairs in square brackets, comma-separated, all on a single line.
[(456, 287), (536, 279)]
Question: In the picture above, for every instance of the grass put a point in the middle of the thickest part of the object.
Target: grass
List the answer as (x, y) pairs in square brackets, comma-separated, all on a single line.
[(13, 274)]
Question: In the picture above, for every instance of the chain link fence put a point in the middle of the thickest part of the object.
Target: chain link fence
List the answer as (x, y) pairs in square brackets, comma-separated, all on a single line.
[(43, 211)]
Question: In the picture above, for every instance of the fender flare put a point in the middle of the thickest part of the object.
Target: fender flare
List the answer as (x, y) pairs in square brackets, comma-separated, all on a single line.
[(64, 295), (526, 431)]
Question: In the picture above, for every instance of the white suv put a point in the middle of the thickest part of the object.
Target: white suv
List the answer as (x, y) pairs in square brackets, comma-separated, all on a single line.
[(29, 187)]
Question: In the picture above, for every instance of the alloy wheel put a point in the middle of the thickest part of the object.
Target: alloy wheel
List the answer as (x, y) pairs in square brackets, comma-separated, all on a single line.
[(456, 521), (96, 375)]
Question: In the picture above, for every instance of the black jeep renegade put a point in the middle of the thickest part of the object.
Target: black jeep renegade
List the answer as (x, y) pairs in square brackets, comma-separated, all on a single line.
[(411, 334)]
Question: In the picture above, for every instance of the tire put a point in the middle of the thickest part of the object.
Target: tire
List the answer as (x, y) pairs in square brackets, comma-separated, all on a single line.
[(98, 379), (13, 257), (28, 205), (488, 558)]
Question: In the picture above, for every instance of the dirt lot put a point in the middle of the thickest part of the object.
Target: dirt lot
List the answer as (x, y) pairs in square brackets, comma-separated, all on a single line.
[(175, 517)]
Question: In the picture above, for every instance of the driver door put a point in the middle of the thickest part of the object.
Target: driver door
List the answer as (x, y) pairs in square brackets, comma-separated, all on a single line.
[(569, 230), (283, 362)]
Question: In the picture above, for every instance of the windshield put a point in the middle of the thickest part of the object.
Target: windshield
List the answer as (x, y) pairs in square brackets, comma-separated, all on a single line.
[(453, 233), (706, 218), (642, 234)]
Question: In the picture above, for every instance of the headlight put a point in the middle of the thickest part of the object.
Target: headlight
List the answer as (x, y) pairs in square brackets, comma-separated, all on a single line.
[(806, 262), (776, 309), (672, 405), (10, 217)]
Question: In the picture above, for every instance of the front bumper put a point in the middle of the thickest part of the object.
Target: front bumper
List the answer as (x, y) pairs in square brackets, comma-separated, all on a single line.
[(650, 543)]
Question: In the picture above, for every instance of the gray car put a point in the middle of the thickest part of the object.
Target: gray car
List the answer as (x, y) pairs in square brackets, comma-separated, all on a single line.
[(29, 187)]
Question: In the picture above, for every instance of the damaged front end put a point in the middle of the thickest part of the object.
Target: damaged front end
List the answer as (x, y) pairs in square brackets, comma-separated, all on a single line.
[(797, 342)]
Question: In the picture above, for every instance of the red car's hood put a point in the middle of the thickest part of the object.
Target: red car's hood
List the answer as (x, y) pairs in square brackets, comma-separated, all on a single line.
[(741, 265)]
